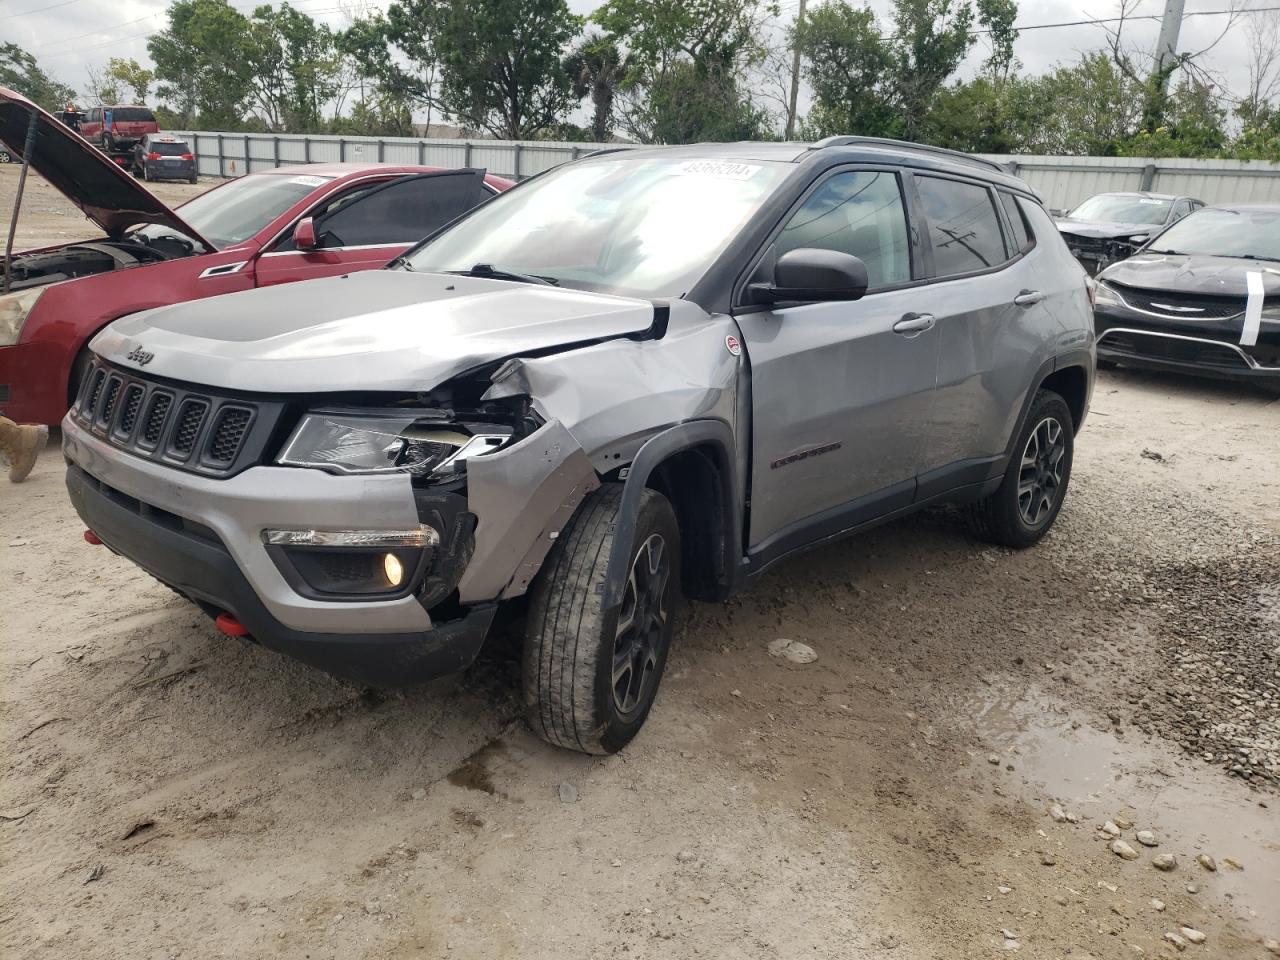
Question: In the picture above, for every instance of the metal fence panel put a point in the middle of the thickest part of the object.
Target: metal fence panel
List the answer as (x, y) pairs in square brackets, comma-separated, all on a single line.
[(1063, 182)]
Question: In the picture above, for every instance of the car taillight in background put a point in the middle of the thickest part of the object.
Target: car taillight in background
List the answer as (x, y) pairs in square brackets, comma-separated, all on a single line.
[(187, 156), (153, 156)]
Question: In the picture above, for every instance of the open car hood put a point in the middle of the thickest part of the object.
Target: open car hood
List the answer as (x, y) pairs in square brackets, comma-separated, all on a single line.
[(108, 196)]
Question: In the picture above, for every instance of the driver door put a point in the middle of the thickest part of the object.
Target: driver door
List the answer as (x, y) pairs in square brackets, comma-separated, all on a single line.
[(367, 228), (840, 391)]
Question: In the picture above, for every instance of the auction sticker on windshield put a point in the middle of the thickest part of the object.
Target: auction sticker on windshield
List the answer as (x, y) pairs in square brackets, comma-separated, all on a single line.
[(309, 181), (725, 169)]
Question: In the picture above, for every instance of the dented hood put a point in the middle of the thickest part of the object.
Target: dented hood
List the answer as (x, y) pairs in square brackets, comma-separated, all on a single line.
[(108, 196), (1107, 229), (1184, 273), (385, 330)]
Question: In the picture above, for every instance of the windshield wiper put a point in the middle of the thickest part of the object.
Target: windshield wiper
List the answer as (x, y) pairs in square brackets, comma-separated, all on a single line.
[(1258, 256), (1169, 253), (488, 271)]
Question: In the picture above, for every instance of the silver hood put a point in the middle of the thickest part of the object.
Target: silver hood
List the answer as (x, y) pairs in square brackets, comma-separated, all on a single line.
[(386, 330)]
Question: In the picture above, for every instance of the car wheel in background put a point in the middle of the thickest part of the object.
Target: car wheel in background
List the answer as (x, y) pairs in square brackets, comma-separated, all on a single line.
[(590, 675), (1027, 502)]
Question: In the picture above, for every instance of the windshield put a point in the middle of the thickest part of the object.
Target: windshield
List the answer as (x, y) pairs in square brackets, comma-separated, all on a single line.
[(1224, 233), (638, 226), (1117, 208), (238, 210)]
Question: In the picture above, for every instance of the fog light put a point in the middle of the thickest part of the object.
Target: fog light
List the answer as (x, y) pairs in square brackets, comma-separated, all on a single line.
[(393, 568)]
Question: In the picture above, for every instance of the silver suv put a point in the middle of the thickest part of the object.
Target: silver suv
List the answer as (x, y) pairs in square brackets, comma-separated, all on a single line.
[(642, 376)]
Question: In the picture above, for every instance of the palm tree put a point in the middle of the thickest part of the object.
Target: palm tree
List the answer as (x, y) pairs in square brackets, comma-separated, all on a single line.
[(597, 68)]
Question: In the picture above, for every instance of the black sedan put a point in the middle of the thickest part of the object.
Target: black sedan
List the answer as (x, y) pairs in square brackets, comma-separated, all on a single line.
[(1203, 297), (162, 156), (1111, 226)]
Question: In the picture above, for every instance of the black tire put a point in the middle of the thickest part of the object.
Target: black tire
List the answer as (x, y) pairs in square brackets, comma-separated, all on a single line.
[(193, 180), (573, 696), (1014, 516)]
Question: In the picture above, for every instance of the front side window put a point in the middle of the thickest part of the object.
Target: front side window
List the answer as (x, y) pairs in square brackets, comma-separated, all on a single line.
[(860, 213), (963, 226), (647, 226), (400, 212)]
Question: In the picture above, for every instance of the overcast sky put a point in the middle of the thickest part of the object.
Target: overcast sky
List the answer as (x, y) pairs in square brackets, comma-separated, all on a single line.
[(68, 36)]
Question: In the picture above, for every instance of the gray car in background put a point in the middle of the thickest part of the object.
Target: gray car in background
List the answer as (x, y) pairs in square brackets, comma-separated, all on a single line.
[(640, 377)]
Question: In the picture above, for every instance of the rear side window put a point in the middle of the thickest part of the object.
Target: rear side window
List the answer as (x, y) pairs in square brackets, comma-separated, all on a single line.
[(1042, 227), (860, 213), (963, 226), (1021, 241), (401, 212), (132, 115)]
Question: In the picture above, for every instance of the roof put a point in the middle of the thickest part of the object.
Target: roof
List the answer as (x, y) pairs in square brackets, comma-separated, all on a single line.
[(847, 149)]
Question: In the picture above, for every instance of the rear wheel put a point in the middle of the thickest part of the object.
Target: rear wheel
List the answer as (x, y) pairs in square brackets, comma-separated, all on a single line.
[(590, 674), (1027, 502)]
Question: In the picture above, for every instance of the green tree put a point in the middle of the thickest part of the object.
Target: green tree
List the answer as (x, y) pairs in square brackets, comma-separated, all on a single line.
[(1089, 108), (930, 38), (686, 60), (202, 63), (500, 63), (19, 71), (845, 62), (597, 70), (294, 68), (131, 75)]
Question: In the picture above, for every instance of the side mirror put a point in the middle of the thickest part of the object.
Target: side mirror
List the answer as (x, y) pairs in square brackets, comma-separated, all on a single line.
[(304, 234), (808, 273)]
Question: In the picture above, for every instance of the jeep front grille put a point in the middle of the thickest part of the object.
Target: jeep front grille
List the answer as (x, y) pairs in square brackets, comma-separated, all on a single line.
[(188, 428)]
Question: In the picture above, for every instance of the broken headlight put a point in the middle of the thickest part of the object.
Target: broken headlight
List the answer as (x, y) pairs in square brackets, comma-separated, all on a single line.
[(386, 443)]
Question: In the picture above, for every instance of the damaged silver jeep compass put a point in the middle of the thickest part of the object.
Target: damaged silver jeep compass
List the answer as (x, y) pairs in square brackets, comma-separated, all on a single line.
[(641, 376)]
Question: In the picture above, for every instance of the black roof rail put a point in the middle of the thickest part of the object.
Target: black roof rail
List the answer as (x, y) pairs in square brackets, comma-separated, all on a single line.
[(905, 145)]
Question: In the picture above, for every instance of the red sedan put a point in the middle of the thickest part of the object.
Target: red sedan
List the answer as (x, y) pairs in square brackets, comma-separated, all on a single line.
[(292, 223)]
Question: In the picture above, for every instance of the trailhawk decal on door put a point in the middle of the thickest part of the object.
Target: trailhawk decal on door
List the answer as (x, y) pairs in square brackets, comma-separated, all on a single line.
[(804, 455)]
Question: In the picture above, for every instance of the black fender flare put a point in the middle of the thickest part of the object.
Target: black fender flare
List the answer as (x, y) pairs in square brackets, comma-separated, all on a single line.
[(658, 448), (1074, 358)]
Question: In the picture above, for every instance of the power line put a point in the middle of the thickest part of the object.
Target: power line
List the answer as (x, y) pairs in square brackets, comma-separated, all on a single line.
[(1145, 16), (51, 6)]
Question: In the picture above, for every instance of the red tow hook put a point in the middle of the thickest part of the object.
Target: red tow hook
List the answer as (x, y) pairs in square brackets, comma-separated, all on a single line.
[(93, 538), (230, 625)]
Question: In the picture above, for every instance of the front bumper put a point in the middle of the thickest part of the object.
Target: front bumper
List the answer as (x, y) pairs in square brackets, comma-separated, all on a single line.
[(193, 561), (1207, 349), (203, 537)]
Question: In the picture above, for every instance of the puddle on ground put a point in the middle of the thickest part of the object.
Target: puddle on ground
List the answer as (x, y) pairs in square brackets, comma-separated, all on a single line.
[(1192, 808), (474, 772)]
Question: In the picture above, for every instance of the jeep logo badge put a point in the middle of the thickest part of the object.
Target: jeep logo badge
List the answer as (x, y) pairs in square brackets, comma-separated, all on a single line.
[(140, 356)]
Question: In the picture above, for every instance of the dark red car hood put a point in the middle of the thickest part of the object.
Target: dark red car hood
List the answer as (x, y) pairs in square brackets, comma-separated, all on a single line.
[(108, 196)]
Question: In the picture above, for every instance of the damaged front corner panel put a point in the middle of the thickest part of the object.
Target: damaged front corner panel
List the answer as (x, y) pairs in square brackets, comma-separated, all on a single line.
[(522, 496)]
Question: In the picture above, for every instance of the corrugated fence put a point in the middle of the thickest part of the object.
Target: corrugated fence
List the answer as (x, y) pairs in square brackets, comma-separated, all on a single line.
[(1062, 181)]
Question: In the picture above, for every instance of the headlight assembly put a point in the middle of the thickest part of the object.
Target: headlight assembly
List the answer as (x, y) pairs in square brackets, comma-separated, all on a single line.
[(385, 443), (1106, 296), (14, 309)]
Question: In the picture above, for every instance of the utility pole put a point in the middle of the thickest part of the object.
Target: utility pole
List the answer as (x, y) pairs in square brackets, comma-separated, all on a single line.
[(795, 76), (1167, 46)]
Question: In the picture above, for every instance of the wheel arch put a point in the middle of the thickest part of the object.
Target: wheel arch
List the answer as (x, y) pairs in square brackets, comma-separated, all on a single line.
[(1071, 382), (693, 465)]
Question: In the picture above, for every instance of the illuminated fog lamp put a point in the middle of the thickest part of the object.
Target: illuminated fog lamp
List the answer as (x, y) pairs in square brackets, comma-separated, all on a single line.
[(393, 568)]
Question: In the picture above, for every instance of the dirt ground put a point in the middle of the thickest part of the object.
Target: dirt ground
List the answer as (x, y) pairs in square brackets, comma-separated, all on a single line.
[(169, 792)]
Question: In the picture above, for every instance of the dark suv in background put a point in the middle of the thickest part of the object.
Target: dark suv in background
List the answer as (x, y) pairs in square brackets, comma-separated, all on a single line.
[(162, 156), (117, 128)]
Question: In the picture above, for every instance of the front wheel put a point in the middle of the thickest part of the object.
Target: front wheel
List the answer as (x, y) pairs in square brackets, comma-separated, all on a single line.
[(590, 675), (1027, 502)]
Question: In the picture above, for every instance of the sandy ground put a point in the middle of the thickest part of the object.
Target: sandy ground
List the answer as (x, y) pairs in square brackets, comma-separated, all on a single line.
[(172, 793)]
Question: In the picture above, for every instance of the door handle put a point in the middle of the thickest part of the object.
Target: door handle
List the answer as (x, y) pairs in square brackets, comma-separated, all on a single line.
[(1028, 298), (914, 323)]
